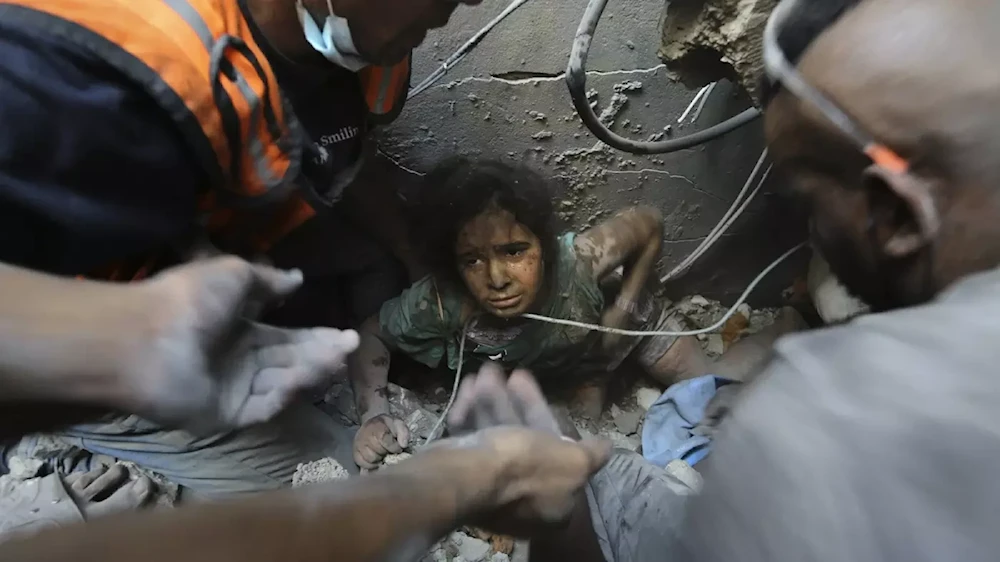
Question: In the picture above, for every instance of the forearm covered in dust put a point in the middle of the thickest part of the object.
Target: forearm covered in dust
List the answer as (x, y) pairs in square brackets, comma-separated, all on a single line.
[(396, 514)]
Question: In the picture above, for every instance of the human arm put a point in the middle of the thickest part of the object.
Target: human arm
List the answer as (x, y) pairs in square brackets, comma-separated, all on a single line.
[(380, 433), (632, 239), (510, 476), (176, 348)]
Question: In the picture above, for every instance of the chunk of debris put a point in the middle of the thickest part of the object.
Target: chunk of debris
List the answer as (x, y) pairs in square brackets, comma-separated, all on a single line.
[(628, 421), (646, 396), (542, 135), (470, 549), (709, 40), (698, 300), (322, 470), (715, 345), (628, 86), (536, 115), (610, 113)]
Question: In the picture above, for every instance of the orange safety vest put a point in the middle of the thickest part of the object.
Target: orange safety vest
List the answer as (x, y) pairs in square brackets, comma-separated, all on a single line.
[(198, 59)]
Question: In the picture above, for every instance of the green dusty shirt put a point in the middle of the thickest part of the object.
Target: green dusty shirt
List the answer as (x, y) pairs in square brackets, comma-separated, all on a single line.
[(429, 329)]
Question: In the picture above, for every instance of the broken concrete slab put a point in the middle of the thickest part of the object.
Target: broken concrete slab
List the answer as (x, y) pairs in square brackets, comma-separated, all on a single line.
[(710, 40)]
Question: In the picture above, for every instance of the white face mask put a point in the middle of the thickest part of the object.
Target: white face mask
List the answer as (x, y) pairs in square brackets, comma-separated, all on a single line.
[(333, 41)]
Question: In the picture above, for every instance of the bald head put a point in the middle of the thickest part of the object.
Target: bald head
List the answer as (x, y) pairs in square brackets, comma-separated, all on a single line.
[(920, 76)]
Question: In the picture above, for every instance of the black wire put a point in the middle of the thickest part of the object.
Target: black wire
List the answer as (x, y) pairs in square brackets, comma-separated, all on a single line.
[(576, 81)]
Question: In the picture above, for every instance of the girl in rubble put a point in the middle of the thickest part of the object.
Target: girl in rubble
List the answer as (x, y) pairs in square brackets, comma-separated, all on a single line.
[(489, 235)]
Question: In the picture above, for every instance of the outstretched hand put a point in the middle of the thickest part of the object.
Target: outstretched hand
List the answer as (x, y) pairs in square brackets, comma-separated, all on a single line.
[(540, 471), (208, 365)]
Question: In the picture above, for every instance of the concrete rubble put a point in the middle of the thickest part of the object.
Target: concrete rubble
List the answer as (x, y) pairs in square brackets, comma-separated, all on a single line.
[(709, 40), (322, 470)]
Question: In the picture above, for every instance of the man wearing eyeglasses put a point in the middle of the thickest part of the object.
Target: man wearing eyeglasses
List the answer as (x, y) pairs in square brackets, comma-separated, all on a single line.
[(877, 440)]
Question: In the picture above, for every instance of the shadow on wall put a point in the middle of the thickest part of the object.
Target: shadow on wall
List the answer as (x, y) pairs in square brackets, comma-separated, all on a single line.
[(508, 100)]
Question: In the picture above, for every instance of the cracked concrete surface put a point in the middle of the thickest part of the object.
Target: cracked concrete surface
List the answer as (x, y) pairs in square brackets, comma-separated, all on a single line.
[(508, 100)]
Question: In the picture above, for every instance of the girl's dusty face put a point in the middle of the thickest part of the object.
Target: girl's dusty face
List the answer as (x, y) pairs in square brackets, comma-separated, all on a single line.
[(501, 262)]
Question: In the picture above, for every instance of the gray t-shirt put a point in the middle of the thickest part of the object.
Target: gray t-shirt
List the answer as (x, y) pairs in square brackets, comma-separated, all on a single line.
[(874, 441), (878, 440)]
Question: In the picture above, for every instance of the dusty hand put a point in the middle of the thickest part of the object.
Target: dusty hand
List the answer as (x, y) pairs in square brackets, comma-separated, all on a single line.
[(107, 490), (378, 437), (541, 471), (207, 365)]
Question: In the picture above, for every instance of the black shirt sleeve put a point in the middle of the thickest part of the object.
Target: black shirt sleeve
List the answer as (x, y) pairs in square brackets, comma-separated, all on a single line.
[(91, 169)]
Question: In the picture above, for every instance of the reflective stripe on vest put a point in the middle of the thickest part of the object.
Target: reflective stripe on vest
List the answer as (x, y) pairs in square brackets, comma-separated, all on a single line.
[(199, 61), (385, 89)]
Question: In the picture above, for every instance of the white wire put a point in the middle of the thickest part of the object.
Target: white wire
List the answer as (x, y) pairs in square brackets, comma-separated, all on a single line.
[(598, 328), (465, 49), (454, 387), (725, 226), (713, 236), (704, 100), (691, 105)]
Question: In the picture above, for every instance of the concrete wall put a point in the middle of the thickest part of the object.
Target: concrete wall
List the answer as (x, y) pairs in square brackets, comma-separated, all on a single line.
[(507, 100)]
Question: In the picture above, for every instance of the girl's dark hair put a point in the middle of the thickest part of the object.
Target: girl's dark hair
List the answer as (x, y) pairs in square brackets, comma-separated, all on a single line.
[(460, 188), (809, 19)]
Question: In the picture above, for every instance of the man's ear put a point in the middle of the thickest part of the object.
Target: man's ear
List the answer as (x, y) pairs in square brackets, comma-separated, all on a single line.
[(903, 210)]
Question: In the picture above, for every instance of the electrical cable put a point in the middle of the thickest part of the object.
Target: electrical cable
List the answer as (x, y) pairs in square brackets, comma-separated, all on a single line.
[(638, 333), (576, 81), (465, 49), (454, 388), (734, 211), (694, 102), (704, 100), (598, 328)]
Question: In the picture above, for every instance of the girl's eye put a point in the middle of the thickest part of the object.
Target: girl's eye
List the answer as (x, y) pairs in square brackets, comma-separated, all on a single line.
[(471, 262), (514, 252)]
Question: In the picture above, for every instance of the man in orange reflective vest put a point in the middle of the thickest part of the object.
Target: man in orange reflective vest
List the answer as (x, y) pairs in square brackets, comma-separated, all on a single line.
[(131, 127)]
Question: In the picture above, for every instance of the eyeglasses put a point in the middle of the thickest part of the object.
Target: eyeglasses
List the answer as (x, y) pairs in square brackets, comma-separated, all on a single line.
[(780, 70)]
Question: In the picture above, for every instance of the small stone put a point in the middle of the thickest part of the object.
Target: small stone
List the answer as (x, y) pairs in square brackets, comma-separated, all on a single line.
[(500, 557), (628, 422), (630, 45), (615, 411), (542, 135), (646, 397), (716, 345), (473, 549), (699, 300)]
